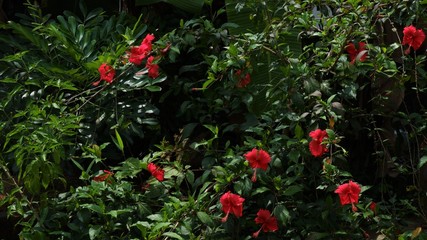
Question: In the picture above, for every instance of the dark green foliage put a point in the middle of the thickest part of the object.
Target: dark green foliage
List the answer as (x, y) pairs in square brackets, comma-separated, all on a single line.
[(197, 120), (51, 110)]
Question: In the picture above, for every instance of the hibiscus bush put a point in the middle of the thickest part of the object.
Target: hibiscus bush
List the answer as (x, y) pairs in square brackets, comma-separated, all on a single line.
[(281, 120)]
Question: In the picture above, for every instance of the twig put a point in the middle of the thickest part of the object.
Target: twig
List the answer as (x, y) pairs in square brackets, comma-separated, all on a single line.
[(21, 193)]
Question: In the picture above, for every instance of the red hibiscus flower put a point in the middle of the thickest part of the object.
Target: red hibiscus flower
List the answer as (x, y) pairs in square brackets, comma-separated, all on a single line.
[(103, 176), (349, 193), (106, 72), (153, 69), (138, 54), (356, 54), (317, 149), (269, 223), (231, 203), (413, 37), (257, 159), (373, 207), (146, 43), (157, 172), (243, 80)]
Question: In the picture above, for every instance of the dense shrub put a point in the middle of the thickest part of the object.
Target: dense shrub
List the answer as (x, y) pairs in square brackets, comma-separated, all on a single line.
[(288, 121)]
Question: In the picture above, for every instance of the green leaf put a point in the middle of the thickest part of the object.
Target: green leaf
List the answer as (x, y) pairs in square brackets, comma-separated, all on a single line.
[(72, 24), (423, 161), (154, 88), (119, 141), (150, 121), (232, 49), (260, 190), (155, 217), (94, 231), (292, 190), (299, 133), (160, 225), (331, 134), (213, 129), (189, 175), (115, 213), (188, 130), (14, 57), (293, 155), (205, 218), (172, 235), (97, 150), (243, 187), (142, 226), (8, 80), (83, 8), (31, 36), (93, 207), (281, 213), (46, 176), (208, 82), (329, 101)]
